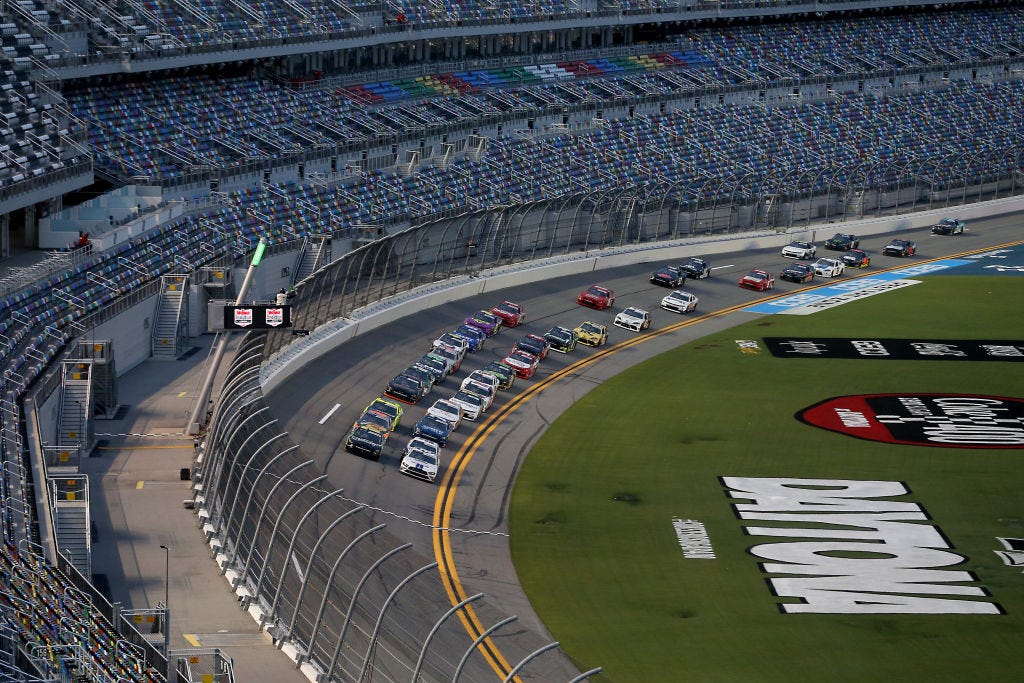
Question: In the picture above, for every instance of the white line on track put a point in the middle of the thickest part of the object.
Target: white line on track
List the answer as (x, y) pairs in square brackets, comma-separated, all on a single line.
[(720, 267), (330, 412)]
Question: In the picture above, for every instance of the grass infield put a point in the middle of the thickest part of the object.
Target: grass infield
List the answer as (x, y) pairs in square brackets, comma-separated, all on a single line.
[(591, 514)]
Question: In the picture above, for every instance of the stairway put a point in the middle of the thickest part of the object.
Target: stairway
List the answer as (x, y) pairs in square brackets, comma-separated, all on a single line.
[(315, 252), (74, 423), (169, 331), (71, 521)]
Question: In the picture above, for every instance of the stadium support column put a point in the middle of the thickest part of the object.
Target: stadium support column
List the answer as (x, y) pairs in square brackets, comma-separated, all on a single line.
[(198, 419)]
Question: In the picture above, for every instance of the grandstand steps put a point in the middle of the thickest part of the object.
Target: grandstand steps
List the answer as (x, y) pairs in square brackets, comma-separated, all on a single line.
[(411, 163), (71, 520), (446, 155), (170, 331), (315, 253), (100, 354), (75, 417), (476, 147)]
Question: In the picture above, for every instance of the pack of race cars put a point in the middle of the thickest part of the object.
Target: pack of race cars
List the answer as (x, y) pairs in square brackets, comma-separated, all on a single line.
[(476, 393)]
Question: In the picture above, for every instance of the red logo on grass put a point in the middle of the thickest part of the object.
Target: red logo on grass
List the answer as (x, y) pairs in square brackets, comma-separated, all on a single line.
[(946, 420)]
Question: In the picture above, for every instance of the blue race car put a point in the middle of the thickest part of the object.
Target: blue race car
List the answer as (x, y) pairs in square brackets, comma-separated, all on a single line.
[(474, 336), (433, 428)]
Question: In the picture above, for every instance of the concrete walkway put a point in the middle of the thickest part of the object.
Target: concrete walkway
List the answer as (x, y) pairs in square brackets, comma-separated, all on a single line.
[(137, 494), (137, 506)]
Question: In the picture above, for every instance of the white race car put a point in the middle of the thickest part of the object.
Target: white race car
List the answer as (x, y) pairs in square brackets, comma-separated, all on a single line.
[(633, 318), (828, 267), (472, 404), (421, 458), (451, 341), (449, 411), (799, 249), (482, 377), (488, 390), (680, 302)]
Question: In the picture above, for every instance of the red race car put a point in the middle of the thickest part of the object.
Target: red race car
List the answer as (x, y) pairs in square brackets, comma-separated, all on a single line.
[(524, 364), (596, 296), (511, 314), (758, 279)]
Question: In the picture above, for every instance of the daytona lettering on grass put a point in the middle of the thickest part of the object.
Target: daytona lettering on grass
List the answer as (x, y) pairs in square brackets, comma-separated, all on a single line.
[(861, 553)]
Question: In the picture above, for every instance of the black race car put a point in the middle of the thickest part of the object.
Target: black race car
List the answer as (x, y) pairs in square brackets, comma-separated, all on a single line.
[(534, 344), (856, 258), (405, 388), (435, 365), (424, 374), (696, 268), (669, 276), (900, 248), (798, 272), (842, 242), (365, 440), (948, 226), (561, 339)]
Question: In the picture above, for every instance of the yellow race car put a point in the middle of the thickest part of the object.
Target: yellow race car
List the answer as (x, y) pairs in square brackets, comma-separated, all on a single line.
[(591, 333)]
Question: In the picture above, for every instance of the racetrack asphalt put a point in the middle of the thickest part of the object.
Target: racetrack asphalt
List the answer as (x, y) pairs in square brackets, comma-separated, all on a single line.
[(318, 403)]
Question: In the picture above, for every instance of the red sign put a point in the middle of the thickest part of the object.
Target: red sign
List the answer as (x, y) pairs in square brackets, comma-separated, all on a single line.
[(943, 420)]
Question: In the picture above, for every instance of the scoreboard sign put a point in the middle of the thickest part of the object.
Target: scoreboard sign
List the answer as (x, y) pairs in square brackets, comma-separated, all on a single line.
[(257, 317)]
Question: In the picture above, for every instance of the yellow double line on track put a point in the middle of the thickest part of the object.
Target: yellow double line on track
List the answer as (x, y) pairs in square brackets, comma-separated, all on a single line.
[(445, 501)]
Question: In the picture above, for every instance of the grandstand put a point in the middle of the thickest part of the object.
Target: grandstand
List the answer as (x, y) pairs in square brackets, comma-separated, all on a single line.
[(177, 134)]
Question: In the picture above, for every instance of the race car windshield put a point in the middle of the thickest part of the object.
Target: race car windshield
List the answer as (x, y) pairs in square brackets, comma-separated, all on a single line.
[(426, 457), (376, 419), (367, 434), (596, 291), (587, 327)]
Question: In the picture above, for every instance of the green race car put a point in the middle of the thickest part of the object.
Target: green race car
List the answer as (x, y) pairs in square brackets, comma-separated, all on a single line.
[(390, 408)]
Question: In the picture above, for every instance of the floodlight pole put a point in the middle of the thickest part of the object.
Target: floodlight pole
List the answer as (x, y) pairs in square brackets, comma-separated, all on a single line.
[(197, 420)]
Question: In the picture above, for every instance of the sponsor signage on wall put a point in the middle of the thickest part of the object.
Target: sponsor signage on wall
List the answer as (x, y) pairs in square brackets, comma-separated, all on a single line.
[(943, 420), (842, 546), (257, 317), (896, 349)]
